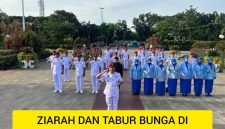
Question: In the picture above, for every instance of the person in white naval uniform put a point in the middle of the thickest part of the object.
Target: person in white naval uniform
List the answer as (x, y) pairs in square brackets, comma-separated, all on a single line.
[(119, 53), (113, 80), (154, 59), (66, 63), (101, 61), (79, 74), (95, 68), (57, 71), (107, 53), (125, 56), (50, 60)]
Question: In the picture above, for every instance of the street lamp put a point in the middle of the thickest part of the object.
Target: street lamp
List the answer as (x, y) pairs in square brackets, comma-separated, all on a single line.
[(101, 8), (23, 16)]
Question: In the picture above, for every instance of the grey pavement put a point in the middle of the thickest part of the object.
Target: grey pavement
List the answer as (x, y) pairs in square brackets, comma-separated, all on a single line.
[(32, 89)]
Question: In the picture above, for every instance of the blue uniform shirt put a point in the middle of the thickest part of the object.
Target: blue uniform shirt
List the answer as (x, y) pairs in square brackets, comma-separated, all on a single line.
[(149, 71), (173, 72), (186, 70), (160, 73), (136, 72), (199, 71), (210, 71)]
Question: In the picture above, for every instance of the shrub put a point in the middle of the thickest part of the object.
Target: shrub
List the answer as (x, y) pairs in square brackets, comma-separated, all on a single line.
[(60, 50), (46, 53), (184, 45), (8, 58), (204, 44)]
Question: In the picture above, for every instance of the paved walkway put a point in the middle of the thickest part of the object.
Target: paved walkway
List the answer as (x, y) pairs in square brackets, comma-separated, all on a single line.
[(32, 89)]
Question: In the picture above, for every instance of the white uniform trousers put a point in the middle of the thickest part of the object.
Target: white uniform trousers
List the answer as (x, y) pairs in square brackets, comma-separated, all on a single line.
[(79, 83), (51, 71), (94, 81), (57, 81), (66, 74), (125, 64), (112, 102)]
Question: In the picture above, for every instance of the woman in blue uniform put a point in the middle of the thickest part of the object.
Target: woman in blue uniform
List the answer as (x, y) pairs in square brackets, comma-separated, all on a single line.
[(185, 77), (136, 76), (149, 75), (160, 74), (173, 74), (210, 75), (198, 71)]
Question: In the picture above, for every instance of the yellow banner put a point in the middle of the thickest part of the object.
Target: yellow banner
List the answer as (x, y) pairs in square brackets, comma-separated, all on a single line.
[(129, 119)]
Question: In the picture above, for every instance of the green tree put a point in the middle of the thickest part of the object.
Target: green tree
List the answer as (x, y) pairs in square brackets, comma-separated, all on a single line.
[(144, 24)]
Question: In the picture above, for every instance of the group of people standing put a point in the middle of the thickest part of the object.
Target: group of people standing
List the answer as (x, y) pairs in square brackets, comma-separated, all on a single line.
[(150, 64), (162, 71)]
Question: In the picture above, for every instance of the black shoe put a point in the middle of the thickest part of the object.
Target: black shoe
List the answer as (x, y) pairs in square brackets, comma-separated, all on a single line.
[(208, 94)]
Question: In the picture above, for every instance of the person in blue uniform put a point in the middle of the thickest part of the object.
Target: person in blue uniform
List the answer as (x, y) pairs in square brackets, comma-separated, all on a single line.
[(210, 75), (136, 76), (185, 77), (173, 74), (198, 72), (149, 75), (160, 73)]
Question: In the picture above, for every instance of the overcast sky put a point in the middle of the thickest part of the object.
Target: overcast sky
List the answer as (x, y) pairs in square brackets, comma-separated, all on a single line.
[(114, 10)]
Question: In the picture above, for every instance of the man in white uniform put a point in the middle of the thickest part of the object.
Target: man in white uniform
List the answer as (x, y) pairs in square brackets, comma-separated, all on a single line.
[(118, 52), (113, 80), (66, 63), (107, 54), (154, 58), (125, 55), (79, 74), (95, 68), (57, 71), (101, 61), (50, 60)]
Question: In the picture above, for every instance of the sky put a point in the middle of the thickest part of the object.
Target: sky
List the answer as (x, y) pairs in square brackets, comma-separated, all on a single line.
[(114, 10)]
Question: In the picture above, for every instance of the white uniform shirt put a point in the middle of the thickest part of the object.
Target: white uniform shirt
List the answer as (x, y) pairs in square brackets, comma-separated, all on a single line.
[(76, 59), (118, 52), (51, 58), (107, 54), (57, 66), (101, 61), (125, 55), (112, 83), (95, 65), (79, 66), (154, 60), (66, 62)]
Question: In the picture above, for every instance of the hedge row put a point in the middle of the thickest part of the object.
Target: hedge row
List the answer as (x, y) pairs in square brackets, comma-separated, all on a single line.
[(184, 45), (8, 58)]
